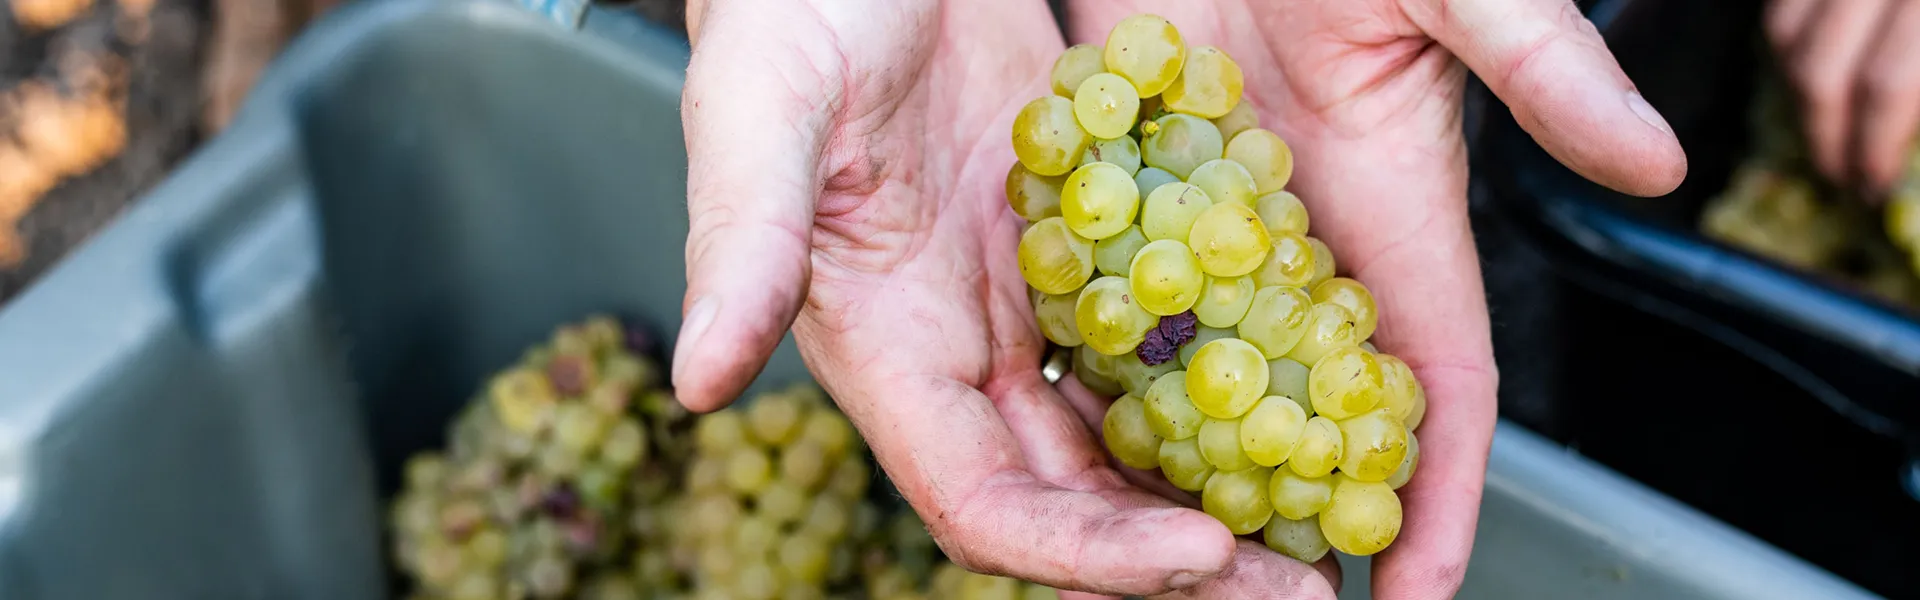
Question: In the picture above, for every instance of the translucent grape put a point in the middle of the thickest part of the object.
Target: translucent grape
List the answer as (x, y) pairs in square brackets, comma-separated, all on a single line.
[(1106, 105), (1208, 86), (781, 501), (1362, 518), (1419, 412), (1169, 411), (1300, 540), (1147, 51), (1276, 320), (1110, 320), (1136, 376), (1182, 464), (1166, 278), (1201, 336), (1287, 377), (1150, 179), (1224, 181), (1220, 444), (720, 432), (1355, 297), (1224, 301), (1319, 449), (1239, 499), (1408, 464), (831, 431), (1047, 138), (774, 419), (1128, 434), (1033, 196), (1329, 327), (1170, 211), (1180, 143), (805, 464), (1296, 497), (804, 558), (1323, 264), (1054, 312), (1264, 155), (1374, 445), (1099, 372), (1241, 118), (1270, 431), (1075, 65), (1289, 263), (748, 470), (1283, 213), (1099, 200), (1121, 151), (1114, 255), (1346, 382), (1399, 385), (1054, 259), (1229, 240), (1226, 378)]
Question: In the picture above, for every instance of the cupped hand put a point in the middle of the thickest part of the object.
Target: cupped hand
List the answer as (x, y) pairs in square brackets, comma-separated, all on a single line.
[(1369, 95), (1856, 66)]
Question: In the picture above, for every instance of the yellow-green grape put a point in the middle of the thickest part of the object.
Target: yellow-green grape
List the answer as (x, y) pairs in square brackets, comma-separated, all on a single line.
[(1166, 278), (1283, 213), (850, 479), (1374, 444), (1136, 376), (1224, 301), (1075, 65), (1300, 540), (1106, 105), (523, 399), (1182, 464), (1047, 138), (1054, 259), (1225, 181), (720, 432), (775, 419), (1150, 179), (1229, 240), (1114, 255), (626, 444), (782, 501), (829, 517), (1220, 444), (1329, 327), (757, 580), (1226, 378), (1099, 200), (1241, 118), (804, 558), (1180, 143), (1169, 212), (1238, 499), (1362, 518), (1122, 151), (579, 427), (1289, 263), (1264, 155), (1411, 461), (1287, 377), (1128, 434), (1054, 312), (1319, 449), (1323, 264), (1399, 386), (1110, 319), (1351, 294), (1296, 497), (804, 463), (1169, 410), (1276, 320), (756, 534), (1147, 51), (1033, 196), (1208, 86), (1346, 382), (1368, 346), (1270, 431), (1097, 371), (748, 470), (1419, 412), (1201, 335), (831, 431)]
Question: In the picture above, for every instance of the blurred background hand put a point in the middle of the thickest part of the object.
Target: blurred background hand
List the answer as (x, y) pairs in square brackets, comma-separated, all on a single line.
[(1856, 66)]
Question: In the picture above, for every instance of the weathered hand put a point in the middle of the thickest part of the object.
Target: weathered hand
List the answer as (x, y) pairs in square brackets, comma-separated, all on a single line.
[(1856, 65)]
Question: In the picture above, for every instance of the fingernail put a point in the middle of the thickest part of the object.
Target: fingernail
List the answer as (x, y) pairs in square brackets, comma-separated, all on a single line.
[(699, 318), (1186, 579), (1646, 112)]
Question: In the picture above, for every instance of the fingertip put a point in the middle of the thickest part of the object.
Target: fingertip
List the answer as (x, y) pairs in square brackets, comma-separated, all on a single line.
[(1186, 544)]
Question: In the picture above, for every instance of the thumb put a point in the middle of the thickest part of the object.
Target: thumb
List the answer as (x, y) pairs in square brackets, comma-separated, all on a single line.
[(1550, 65), (755, 112)]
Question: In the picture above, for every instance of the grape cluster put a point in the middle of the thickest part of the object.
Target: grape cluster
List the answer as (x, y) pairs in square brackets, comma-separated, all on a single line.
[(1164, 248)]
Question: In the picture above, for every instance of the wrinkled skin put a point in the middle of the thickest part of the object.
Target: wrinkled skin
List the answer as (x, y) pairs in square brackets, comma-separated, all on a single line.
[(846, 169), (1856, 66)]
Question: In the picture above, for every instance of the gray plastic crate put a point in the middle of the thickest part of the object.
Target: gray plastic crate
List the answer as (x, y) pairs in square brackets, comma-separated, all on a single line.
[(210, 399)]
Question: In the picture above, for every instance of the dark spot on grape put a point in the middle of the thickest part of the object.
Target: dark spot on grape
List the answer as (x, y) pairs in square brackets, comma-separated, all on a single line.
[(1124, 299)]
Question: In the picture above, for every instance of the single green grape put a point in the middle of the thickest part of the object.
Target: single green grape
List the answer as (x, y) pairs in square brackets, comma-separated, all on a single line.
[(1074, 66), (1319, 450), (1033, 196), (1270, 431), (774, 419), (1239, 499), (1147, 51), (1226, 378), (1169, 212), (1150, 179), (1208, 86), (1183, 466), (1329, 327), (757, 580), (1276, 320), (1097, 371), (1297, 497), (1300, 539), (1047, 138), (781, 501), (748, 470), (1229, 240), (1220, 444), (1241, 118), (804, 558), (1110, 319), (1224, 181), (1136, 377), (851, 478), (1054, 259), (1346, 382), (626, 444), (1129, 435), (1099, 200), (1374, 445), (1287, 377), (1054, 312), (1122, 151), (1166, 278), (804, 463), (1169, 411), (1399, 386), (828, 517), (1201, 335), (1289, 263), (1224, 301), (831, 431), (1355, 297), (579, 427), (1362, 518), (1114, 255), (1106, 105), (1283, 213), (1264, 155), (720, 432), (756, 534), (1180, 143), (1408, 464), (1323, 264)]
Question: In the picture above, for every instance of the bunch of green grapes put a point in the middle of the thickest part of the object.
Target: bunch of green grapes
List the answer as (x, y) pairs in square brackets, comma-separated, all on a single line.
[(1165, 250), (544, 473)]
